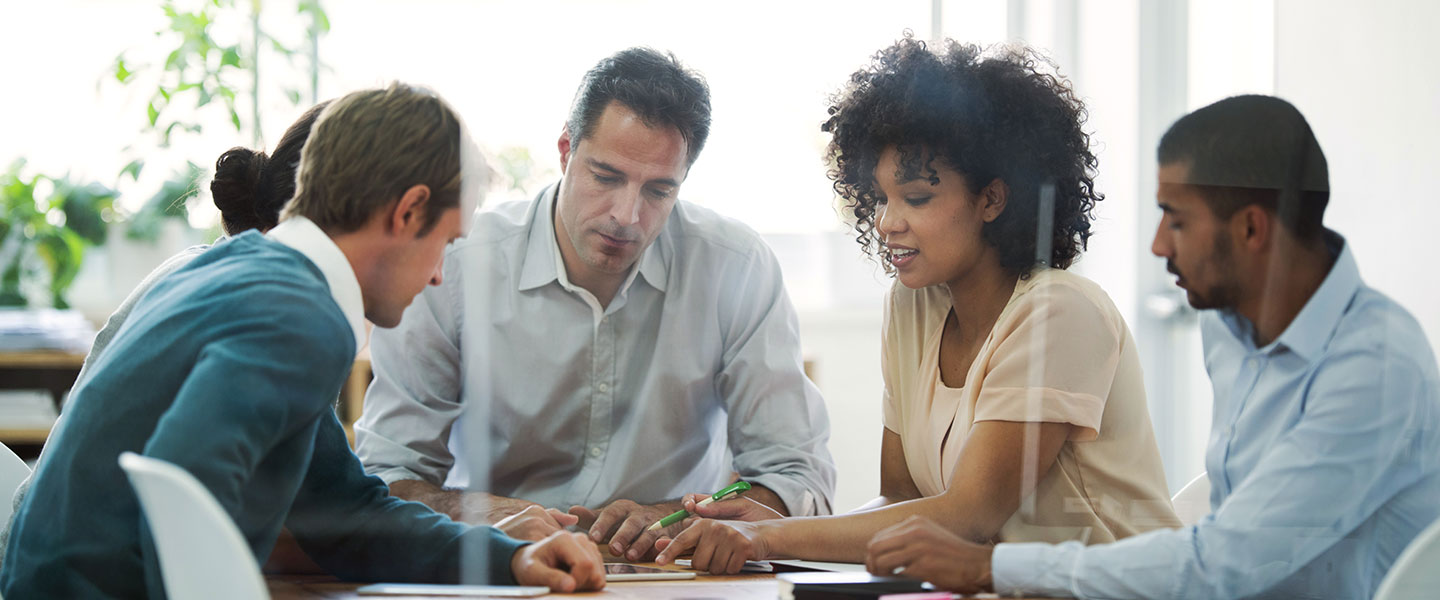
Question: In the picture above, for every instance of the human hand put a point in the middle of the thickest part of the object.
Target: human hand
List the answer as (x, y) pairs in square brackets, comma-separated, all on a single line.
[(564, 562), (535, 523), (734, 509), (922, 549), (720, 547), (623, 525)]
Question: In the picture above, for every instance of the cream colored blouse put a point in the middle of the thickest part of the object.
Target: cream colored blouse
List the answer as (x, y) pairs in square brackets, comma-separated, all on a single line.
[(1059, 352)]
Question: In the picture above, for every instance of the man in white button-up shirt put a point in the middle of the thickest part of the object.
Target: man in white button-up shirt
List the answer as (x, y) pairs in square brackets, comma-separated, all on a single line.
[(604, 348)]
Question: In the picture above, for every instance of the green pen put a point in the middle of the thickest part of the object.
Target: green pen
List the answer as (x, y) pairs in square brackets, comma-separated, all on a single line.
[(679, 515)]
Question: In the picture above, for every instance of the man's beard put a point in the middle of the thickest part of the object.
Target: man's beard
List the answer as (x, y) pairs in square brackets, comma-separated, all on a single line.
[(1222, 294)]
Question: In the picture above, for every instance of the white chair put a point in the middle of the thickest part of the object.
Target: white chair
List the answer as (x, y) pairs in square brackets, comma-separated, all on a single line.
[(202, 554), (13, 472), (1416, 573), (1192, 502)]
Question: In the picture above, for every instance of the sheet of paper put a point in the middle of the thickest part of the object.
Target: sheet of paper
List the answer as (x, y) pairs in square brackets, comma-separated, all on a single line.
[(816, 565), (751, 566)]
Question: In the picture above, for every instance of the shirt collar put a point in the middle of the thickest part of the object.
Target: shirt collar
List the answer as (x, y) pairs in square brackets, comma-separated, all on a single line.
[(543, 264), (305, 237), (1316, 322)]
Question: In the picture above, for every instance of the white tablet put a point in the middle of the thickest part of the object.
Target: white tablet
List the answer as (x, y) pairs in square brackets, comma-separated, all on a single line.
[(627, 572)]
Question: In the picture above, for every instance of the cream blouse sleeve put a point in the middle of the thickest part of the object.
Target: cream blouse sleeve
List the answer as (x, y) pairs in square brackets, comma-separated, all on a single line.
[(1053, 360), (891, 417)]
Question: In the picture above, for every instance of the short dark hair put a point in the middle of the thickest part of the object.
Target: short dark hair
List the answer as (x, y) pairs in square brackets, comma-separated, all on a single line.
[(250, 188), (988, 115), (656, 86), (1253, 150)]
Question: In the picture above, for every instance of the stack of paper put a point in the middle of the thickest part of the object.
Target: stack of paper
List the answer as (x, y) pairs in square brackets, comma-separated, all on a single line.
[(24, 330), (27, 409)]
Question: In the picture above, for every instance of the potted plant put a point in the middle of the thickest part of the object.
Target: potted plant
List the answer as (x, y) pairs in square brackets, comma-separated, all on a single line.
[(46, 224)]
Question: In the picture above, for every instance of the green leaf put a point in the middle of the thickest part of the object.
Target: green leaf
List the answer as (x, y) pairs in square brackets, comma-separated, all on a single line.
[(293, 95), (123, 74), (133, 169), (62, 251), (278, 47), (152, 112), (174, 59), (230, 58), (235, 119), (84, 208)]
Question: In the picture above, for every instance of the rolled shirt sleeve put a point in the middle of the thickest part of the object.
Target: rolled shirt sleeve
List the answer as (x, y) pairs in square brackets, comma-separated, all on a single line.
[(777, 425), (404, 431)]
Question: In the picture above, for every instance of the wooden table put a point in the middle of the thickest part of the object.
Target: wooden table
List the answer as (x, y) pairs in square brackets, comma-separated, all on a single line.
[(703, 587), (747, 586)]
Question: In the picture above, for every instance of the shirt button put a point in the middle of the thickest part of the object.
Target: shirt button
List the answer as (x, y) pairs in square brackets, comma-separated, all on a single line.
[(603, 387), (596, 452)]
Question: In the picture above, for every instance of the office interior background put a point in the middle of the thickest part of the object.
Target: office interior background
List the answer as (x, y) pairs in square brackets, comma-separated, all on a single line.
[(1362, 72)]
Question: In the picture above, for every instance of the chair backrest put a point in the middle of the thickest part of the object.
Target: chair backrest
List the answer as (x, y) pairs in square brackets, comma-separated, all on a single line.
[(13, 472), (1192, 502), (1416, 573), (202, 554)]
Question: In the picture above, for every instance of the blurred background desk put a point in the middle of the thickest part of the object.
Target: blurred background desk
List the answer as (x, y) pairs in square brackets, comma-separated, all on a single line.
[(55, 372), (48, 370)]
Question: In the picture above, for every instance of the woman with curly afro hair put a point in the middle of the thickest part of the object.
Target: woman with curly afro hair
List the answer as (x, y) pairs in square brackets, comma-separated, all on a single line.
[(1014, 406)]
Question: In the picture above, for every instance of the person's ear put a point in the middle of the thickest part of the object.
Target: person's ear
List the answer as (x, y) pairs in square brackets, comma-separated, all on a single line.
[(408, 214), (565, 146), (993, 199), (1254, 227)]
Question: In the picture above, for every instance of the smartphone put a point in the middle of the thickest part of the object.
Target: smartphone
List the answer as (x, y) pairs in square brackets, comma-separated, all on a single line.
[(628, 572)]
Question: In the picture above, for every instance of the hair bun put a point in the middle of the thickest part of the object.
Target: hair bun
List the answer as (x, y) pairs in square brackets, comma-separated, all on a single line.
[(236, 185)]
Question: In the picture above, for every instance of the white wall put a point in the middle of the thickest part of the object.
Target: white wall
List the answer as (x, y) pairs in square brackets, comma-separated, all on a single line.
[(1364, 74)]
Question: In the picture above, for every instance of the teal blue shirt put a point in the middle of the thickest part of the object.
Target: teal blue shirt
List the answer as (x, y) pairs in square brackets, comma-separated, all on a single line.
[(227, 368)]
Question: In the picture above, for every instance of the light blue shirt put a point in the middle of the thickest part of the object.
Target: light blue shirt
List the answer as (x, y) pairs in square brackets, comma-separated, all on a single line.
[(1324, 462), (692, 372)]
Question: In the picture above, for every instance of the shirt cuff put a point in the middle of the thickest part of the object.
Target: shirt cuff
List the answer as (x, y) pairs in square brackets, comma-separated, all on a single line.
[(1034, 569), (394, 474), (800, 501)]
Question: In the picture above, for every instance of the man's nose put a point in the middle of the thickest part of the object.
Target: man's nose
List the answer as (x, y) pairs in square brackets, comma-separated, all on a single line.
[(626, 210)]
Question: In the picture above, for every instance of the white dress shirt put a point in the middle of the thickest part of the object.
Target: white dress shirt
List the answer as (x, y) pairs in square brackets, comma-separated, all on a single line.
[(305, 237), (692, 372)]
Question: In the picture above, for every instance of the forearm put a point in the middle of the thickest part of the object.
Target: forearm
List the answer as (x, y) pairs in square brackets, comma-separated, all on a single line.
[(880, 501), (459, 505), (843, 538), (764, 495)]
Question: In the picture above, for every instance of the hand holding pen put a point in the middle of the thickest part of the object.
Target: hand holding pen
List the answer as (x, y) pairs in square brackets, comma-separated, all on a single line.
[(731, 490)]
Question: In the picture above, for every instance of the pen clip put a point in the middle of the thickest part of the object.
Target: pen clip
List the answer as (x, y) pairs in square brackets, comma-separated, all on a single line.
[(732, 489)]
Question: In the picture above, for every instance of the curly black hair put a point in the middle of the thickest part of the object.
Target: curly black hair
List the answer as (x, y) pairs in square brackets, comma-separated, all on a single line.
[(986, 113)]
